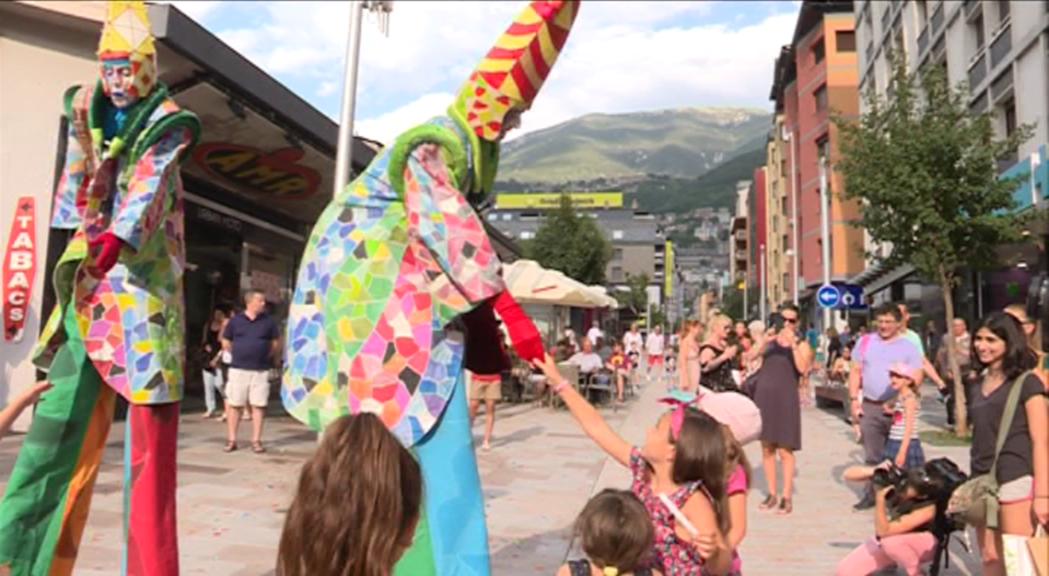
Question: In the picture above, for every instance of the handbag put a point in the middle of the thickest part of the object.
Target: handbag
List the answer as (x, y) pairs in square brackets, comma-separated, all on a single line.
[(976, 501), (1038, 546)]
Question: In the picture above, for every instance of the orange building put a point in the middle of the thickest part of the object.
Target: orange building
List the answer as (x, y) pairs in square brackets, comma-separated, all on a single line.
[(823, 80)]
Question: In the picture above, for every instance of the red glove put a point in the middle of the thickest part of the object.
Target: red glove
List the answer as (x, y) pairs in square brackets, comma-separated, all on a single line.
[(523, 333), (108, 246), (484, 351)]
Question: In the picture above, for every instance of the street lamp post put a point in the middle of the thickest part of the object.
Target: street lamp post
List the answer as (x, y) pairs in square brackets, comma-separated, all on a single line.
[(344, 156), (825, 232)]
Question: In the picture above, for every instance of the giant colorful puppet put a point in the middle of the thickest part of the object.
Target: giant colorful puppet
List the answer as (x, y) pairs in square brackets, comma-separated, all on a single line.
[(117, 327), (399, 277)]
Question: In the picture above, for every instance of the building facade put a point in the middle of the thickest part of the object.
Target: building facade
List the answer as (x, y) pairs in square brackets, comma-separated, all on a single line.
[(1000, 49), (757, 246), (739, 253), (778, 215)]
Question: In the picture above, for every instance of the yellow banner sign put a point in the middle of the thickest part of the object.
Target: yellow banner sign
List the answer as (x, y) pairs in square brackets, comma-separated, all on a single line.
[(550, 201)]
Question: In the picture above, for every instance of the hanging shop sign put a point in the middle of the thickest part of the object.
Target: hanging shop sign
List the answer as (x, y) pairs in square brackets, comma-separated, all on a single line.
[(19, 269), (277, 173)]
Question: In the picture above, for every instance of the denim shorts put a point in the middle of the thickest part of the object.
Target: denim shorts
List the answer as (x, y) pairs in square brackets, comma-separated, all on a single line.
[(915, 455)]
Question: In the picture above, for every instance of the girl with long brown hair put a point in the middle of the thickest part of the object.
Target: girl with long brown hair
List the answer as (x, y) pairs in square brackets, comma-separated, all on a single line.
[(356, 506)]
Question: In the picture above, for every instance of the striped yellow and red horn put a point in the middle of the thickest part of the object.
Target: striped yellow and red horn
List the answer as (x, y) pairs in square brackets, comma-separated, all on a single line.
[(514, 70)]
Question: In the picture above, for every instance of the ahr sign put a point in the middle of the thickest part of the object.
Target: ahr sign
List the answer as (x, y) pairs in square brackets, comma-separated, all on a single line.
[(19, 269)]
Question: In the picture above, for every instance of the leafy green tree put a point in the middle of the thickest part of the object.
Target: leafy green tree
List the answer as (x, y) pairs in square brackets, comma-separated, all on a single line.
[(637, 297), (925, 171), (572, 244)]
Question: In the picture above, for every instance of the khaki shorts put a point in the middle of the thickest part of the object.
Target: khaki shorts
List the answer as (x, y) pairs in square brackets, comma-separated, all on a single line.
[(248, 386), (486, 388)]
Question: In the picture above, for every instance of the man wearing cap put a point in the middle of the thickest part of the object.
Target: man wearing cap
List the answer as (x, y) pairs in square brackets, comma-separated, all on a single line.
[(873, 356)]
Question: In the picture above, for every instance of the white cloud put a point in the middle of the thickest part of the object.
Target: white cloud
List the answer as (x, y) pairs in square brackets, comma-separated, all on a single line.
[(621, 56), (386, 127)]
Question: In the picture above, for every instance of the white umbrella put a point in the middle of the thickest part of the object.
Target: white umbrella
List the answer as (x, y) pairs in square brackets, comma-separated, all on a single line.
[(530, 283)]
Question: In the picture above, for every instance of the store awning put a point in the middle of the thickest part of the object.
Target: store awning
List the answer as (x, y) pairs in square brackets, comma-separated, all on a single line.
[(530, 283)]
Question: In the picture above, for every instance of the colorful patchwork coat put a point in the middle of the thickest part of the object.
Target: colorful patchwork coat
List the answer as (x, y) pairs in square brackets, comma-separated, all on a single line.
[(392, 261), (131, 320)]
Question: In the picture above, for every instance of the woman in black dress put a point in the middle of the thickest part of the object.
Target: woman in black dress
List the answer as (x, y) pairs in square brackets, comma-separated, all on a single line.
[(786, 359)]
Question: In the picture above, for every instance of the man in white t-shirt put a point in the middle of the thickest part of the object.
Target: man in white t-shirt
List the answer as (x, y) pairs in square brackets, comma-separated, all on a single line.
[(595, 333), (654, 345), (632, 343), (588, 361)]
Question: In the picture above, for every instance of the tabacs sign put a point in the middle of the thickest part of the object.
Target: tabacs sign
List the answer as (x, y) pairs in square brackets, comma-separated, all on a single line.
[(277, 173), (19, 269)]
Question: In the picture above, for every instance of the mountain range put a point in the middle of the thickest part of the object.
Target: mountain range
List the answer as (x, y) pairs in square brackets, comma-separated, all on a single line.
[(683, 143)]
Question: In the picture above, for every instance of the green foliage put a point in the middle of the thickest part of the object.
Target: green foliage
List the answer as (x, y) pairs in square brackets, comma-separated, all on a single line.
[(571, 244), (716, 188), (926, 173), (637, 297), (732, 304)]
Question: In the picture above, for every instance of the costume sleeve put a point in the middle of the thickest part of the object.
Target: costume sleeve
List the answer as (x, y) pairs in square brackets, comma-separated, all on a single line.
[(143, 206), (67, 212), (441, 218)]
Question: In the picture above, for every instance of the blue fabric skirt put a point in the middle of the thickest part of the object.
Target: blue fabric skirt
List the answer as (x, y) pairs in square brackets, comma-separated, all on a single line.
[(915, 453)]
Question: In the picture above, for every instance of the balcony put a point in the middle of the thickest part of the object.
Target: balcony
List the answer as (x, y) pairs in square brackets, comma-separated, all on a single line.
[(978, 70), (1001, 45), (885, 17), (1002, 87), (923, 41)]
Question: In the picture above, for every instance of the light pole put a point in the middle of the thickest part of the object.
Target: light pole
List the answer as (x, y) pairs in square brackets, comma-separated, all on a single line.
[(789, 137), (344, 156), (825, 232)]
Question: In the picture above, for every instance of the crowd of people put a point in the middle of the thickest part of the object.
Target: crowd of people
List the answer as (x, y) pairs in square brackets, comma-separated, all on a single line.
[(685, 511)]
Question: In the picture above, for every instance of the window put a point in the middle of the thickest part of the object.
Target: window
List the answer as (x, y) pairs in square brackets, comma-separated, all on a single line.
[(527, 235), (818, 51), (617, 234), (845, 40), (617, 254), (507, 217), (923, 12), (1009, 110), (821, 98), (492, 217), (976, 26), (823, 148), (617, 274), (1003, 11)]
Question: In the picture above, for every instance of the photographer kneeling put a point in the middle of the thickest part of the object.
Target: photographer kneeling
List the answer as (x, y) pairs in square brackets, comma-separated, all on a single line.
[(909, 523)]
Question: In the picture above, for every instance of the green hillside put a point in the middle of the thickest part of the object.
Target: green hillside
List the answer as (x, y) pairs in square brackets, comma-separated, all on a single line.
[(682, 143), (716, 188)]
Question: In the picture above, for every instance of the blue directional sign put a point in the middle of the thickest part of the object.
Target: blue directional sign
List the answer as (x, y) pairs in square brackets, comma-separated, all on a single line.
[(851, 297), (828, 296)]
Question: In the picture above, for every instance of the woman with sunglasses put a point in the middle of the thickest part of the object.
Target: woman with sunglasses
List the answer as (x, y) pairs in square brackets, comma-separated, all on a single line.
[(786, 358)]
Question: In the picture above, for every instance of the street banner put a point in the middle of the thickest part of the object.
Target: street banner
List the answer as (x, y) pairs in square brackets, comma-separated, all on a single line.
[(19, 269)]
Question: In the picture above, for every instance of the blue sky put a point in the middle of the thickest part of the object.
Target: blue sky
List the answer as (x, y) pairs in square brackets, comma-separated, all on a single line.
[(620, 57)]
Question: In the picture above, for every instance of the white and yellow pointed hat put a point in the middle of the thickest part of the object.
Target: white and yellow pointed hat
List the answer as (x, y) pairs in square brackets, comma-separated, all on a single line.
[(128, 34)]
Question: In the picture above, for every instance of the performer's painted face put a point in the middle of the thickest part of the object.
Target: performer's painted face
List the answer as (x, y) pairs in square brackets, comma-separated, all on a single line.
[(118, 79)]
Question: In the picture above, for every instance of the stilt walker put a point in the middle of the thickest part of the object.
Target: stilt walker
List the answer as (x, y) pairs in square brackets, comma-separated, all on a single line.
[(379, 322), (117, 327)]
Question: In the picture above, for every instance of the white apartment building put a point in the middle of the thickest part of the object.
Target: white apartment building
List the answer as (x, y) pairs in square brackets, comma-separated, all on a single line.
[(999, 48)]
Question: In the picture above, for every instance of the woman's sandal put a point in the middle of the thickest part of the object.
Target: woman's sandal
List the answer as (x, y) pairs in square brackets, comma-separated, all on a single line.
[(769, 503), (785, 507), (257, 447), (230, 447)]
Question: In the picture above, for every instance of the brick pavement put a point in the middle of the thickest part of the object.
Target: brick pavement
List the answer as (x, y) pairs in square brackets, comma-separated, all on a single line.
[(536, 478)]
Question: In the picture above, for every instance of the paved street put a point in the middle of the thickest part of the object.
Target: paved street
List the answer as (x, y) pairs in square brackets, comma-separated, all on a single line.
[(538, 475)]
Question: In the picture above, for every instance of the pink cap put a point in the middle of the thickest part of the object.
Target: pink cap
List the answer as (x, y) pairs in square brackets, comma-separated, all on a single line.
[(734, 410), (902, 369)]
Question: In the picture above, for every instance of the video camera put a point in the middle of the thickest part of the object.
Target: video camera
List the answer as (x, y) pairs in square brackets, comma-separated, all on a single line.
[(935, 481)]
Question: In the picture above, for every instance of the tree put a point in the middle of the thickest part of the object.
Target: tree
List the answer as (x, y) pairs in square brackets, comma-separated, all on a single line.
[(572, 244), (637, 297), (925, 171)]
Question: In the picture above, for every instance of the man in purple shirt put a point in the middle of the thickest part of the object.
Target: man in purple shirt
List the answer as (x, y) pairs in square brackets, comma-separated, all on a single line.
[(872, 357)]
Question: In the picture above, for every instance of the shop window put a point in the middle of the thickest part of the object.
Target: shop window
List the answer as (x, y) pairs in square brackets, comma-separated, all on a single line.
[(818, 51), (845, 40), (821, 98)]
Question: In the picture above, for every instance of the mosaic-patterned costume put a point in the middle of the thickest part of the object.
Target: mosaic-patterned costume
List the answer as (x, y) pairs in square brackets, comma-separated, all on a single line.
[(117, 327), (391, 267)]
